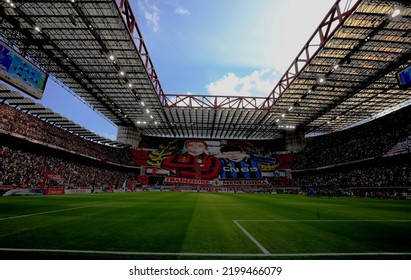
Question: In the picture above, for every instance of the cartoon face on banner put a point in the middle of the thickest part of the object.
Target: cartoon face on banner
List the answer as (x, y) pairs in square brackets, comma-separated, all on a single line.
[(193, 162), (207, 160)]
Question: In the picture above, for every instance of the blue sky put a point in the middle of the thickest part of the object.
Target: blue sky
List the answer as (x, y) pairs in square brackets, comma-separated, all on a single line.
[(216, 47)]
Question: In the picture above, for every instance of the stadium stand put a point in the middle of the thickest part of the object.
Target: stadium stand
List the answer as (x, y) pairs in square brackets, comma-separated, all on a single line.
[(370, 140), (321, 92), (389, 174), (23, 125), (371, 160), (401, 147), (25, 164), (373, 155), (31, 148)]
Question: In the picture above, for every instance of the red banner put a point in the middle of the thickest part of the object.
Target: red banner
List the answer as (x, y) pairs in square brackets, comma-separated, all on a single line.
[(140, 157), (187, 181), (56, 177), (54, 191), (219, 183), (143, 180), (245, 183)]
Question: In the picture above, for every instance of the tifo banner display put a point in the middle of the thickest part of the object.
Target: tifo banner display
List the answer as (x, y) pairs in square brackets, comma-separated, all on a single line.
[(196, 161)]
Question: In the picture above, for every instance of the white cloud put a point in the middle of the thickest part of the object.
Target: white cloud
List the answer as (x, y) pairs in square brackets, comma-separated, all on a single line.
[(151, 14), (181, 11), (259, 84), (267, 36)]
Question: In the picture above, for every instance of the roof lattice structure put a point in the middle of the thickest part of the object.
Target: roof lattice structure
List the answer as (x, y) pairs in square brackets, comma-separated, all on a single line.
[(344, 74)]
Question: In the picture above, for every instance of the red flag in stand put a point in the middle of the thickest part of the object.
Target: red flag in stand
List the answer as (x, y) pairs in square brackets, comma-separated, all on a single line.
[(53, 176), (43, 183), (130, 185)]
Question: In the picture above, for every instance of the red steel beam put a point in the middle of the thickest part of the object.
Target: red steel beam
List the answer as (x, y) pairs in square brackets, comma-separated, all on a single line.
[(328, 26), (213, 102), (131, 22)]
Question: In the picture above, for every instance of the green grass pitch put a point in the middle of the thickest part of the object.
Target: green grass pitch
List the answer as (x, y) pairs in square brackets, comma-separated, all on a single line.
[(157, 225)]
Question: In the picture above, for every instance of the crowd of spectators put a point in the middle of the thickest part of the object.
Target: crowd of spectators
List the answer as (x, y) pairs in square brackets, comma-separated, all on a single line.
[(15, 121), (360, 161), (20, 168), (369, 140), (396, 175)]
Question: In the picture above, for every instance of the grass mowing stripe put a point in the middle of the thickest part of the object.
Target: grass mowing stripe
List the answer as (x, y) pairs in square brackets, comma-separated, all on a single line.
[(197, 226), (53, 211), (252, 238), (331, 232)]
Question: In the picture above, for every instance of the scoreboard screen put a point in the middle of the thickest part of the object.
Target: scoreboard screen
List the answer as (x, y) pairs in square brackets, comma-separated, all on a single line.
[(404, 78), (21, 73)]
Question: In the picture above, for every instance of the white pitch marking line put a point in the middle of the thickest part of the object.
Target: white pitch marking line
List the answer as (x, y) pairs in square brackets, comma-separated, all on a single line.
[(54, 211), (130, 253), (264, 250), (327, 221), (204, 254)]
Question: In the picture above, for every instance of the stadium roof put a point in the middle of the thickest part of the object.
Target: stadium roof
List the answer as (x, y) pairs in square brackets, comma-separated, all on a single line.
[(344, 74), (17, 100)]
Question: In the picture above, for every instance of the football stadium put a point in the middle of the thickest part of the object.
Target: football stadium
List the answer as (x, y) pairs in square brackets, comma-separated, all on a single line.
[(317, 169)]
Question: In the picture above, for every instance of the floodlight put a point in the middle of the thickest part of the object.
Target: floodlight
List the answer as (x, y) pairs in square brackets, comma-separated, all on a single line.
[(396, 12)]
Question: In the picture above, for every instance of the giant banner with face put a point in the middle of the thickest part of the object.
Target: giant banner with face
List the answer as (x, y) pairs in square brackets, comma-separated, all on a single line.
[(210, 162)]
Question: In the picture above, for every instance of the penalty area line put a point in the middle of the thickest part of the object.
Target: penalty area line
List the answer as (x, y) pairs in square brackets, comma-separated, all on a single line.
[(264, 250)]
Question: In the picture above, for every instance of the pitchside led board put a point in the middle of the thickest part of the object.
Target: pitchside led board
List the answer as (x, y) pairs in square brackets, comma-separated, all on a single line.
[(404, 78), (20, 73)]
